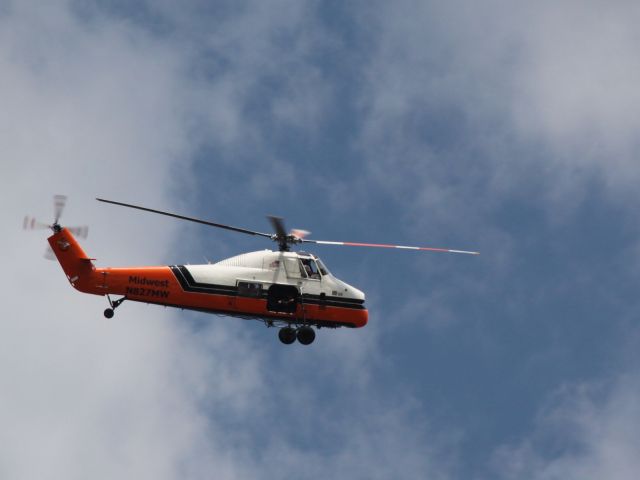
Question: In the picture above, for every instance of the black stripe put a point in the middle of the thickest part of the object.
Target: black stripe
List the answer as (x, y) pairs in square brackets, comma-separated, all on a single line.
[(335, 304), (189, 284), (193, 284), (293, 321), (313, 297), (342, 302), (178, 274)]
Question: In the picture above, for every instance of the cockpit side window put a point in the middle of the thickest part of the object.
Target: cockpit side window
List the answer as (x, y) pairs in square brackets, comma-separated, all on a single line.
[(311, 268)]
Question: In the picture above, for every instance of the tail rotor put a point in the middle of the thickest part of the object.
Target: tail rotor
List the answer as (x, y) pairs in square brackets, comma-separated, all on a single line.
[(31, 223), (59, 202)]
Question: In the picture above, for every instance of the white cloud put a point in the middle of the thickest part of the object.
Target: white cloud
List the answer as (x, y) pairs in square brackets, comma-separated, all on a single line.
[(578, 77), (96, 109), (519, 91), (586, 432)]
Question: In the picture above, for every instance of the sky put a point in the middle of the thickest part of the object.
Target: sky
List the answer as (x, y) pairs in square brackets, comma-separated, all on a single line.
[(510, 128)]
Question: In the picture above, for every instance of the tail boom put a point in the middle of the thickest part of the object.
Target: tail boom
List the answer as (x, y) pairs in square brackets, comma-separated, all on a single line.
[(137, 283)]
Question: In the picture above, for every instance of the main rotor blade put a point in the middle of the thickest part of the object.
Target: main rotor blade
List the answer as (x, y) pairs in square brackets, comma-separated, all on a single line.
[(384, 245), (278, 225), (191, 219)]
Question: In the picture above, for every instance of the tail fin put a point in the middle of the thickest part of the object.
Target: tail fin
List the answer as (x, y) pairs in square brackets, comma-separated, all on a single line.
[(74, 261)]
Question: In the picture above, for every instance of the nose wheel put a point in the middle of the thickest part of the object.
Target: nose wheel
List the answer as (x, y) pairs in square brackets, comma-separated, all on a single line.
[(305, 335)]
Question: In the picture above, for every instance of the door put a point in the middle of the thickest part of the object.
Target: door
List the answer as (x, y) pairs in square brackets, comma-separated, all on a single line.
[(283, 298)]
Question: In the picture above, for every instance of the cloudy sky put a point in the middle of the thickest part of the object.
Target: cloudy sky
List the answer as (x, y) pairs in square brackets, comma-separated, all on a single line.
[(506, 127)]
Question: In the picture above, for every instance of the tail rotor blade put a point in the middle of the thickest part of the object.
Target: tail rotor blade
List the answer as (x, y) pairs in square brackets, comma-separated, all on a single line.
[(30, 223), (81, 232), (49, 255), (59, 201)]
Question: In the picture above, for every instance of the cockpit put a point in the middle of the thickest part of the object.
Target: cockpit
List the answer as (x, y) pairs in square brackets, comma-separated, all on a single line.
[(297, 265), (311, 266)]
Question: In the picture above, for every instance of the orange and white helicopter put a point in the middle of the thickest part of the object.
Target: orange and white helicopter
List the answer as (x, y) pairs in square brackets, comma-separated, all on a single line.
[(294, 291)]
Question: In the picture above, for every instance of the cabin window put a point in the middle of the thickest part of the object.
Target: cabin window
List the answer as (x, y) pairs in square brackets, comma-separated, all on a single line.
[(294, 268), (249, 289)]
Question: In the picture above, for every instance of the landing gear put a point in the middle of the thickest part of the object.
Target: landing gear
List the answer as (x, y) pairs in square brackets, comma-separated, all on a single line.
[(287, 335), (305, 335), (109, 312)]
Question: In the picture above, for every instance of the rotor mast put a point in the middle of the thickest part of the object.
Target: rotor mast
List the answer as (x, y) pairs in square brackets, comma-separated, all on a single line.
[(281, 236)]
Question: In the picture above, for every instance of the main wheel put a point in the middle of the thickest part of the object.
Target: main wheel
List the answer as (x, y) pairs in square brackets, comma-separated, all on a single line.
[(306, 335), (287, 335), (108, 313)]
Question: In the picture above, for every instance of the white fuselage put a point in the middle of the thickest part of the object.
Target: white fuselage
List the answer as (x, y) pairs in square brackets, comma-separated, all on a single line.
[(268, 267)]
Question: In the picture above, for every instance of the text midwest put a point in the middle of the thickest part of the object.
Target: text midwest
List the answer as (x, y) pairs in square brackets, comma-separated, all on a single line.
[(145, 281)]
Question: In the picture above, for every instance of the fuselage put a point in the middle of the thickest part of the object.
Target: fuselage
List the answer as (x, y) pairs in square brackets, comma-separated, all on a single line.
[(290, 287)]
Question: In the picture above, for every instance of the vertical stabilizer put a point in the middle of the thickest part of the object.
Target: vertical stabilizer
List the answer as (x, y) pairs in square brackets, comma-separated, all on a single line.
[(76, 264)]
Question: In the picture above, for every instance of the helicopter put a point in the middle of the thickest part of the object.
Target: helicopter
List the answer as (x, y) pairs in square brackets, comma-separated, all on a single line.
[(293, 291)]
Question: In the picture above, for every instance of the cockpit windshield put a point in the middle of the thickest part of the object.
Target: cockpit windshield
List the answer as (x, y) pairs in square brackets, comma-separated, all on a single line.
[(323, 269)]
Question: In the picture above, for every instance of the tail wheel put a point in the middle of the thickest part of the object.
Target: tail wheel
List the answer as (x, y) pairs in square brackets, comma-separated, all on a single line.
[(108, 313), (306, 335), (287, 335)]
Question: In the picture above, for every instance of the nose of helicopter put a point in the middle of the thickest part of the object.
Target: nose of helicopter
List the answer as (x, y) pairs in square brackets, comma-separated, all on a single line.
[(348, 290), (363, 318), (360, 317), (355, 293)]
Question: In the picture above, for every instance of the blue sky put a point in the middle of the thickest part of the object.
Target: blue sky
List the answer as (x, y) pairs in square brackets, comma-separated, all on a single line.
[(502, 127)]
